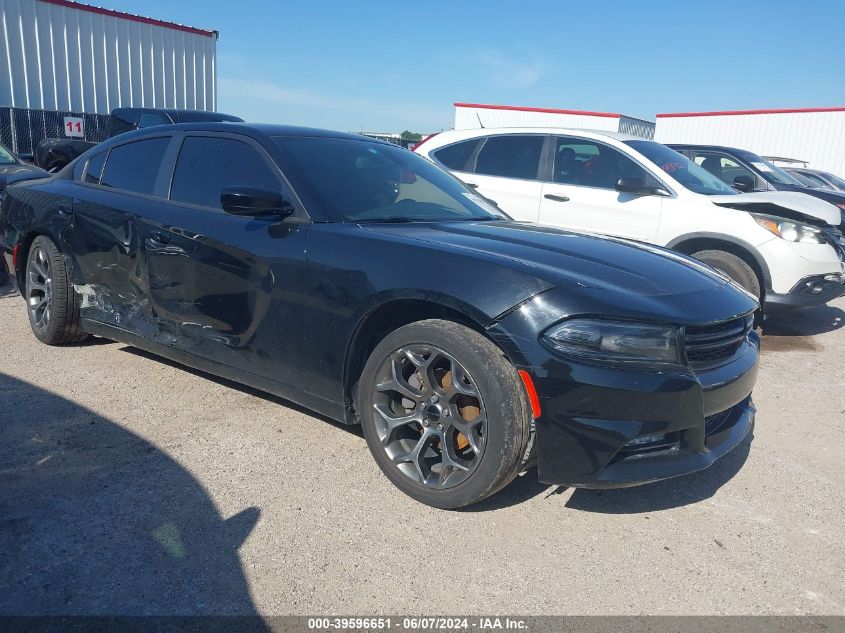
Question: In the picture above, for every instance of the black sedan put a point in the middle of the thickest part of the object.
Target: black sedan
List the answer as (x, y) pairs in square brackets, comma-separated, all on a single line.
[(359, 280)]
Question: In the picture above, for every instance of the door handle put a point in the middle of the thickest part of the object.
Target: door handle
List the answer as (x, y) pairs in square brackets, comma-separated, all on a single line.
[(551, 196), (157, 240)]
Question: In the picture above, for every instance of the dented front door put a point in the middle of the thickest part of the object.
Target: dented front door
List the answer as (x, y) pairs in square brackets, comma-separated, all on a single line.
[(225, 287)]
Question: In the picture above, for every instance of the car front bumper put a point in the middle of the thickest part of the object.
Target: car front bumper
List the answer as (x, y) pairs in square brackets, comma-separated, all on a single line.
[(811, 291), (611, 427)]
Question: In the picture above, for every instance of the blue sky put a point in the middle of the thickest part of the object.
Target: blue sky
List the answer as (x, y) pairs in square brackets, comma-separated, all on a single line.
[(389, 65)]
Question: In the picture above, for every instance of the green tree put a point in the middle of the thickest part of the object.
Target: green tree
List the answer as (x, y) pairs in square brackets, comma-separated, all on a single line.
[(411, 136)]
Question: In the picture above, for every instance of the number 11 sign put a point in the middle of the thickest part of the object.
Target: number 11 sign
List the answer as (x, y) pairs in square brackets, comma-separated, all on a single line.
[(75, 126)]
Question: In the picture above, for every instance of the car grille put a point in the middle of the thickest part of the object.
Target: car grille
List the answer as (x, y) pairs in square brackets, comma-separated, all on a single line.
[(708, 345)]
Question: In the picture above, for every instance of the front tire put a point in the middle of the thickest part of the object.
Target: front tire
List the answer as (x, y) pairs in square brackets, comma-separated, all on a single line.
[(51, 302), (444, 413), (734, 267)]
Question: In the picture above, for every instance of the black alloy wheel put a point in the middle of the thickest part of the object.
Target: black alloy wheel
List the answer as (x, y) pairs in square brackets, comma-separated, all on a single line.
[(444, 412)]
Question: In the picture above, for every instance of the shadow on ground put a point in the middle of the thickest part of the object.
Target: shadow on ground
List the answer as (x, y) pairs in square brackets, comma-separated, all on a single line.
[(809, 322), (662, 495), (7, 290), (95, 520)]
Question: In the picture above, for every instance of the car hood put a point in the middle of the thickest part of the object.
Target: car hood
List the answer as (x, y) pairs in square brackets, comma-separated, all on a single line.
[(562, 258), (790, 204), (14, 173)]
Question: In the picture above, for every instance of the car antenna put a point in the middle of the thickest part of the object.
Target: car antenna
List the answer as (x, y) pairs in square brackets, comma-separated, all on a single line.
[(478, 116)]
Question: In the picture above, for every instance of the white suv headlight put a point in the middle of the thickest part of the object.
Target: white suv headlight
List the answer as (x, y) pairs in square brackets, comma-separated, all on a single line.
[(789, 230)]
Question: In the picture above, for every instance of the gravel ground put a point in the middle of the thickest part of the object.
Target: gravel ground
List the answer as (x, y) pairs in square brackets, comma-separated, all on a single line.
[(131, 485)]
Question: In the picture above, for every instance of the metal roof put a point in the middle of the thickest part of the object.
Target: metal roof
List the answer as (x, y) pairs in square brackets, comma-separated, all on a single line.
[(131, 17)]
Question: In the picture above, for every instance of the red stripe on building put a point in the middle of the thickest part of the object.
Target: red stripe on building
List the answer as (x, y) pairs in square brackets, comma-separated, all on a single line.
[(670, 115), (69, 4), (486, 106)]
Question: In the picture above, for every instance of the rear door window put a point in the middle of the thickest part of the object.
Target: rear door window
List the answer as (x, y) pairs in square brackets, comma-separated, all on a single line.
[(209, 164), (456, 156), (134, 166), (513, 156)]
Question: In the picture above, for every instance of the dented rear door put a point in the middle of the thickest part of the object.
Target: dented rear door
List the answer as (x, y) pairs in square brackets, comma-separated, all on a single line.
[(103, 235)]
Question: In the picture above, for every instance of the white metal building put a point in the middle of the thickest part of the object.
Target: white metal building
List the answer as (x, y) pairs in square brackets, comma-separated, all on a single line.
[(475, 115), (59, 55), (815, 135)]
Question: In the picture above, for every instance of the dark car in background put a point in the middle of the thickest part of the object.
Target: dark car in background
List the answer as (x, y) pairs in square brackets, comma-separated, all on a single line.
[(746, 171), (13, 169), (54, 153), (363, 282), (819, 179)]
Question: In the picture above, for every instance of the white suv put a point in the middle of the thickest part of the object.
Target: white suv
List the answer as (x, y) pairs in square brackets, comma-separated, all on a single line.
[(783, 247)]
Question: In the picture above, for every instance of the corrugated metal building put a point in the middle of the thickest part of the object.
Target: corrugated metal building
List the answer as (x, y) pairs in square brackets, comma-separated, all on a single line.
[(475, 115), (69, 58), (815, 135)]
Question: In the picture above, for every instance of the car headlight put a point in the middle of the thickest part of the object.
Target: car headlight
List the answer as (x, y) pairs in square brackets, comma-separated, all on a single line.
[(789, 230), (615, 341)]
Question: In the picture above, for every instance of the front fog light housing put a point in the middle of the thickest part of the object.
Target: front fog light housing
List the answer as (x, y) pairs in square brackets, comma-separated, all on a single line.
[(615, 341)]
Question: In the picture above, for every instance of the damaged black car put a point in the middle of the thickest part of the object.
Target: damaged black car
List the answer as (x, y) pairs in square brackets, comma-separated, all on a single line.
[(359, 280)]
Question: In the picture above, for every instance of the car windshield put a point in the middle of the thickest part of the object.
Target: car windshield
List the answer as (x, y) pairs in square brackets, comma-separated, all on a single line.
[(363, 181), (838, 182), (770, 171), (805, 180), (6, 157), (681, 168)]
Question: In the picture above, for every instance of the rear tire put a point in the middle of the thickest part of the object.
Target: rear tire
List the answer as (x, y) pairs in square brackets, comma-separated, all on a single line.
[(444, 413), (734, 267), (52, 303)]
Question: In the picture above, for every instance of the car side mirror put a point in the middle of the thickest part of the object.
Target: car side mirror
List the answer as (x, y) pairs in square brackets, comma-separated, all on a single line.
[(628, 184), (744, 183), (254, 201)]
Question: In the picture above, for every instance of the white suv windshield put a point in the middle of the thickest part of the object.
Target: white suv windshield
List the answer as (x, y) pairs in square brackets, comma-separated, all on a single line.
[(681, 168)]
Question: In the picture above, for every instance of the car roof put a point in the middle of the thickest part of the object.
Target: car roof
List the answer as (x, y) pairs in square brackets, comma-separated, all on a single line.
[(720, 148), (490, 131), (240, 127)]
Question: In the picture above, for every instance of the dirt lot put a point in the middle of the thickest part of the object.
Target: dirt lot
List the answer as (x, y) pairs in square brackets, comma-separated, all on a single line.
[(130, 485)]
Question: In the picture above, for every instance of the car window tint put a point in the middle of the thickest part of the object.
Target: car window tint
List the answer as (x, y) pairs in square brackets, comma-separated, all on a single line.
[(134, 166), (456, 156), (94, 168), (588, 164), (818, 182), (207, 165), (367, 181), (123, 121), (723, 167), (510, 156), (149, 119), (6, 157)]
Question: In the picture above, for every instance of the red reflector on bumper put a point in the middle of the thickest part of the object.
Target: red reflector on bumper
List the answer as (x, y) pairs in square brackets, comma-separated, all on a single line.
[(532, 393), (15, 250)]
